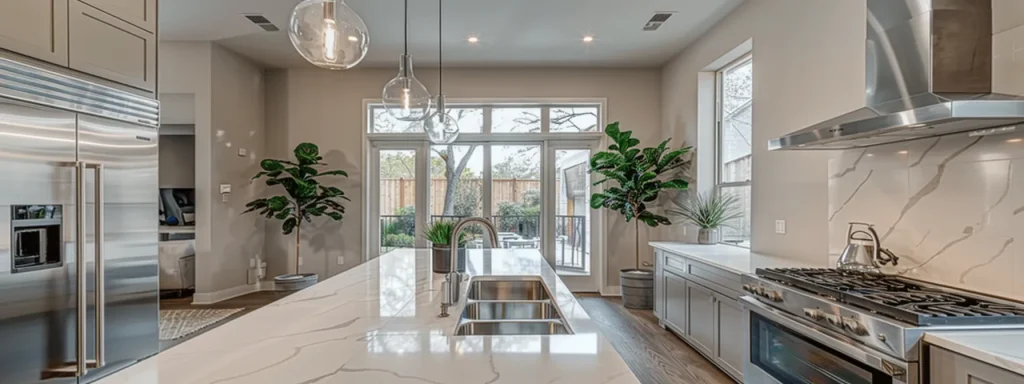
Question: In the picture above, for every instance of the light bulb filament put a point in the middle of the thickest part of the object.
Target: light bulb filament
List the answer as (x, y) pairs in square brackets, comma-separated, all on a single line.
[(330, 42), (406, 100)]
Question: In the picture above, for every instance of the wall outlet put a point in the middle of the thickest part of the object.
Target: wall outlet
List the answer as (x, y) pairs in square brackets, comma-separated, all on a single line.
[(300, 260), (341, 260), (242, 152), (252, 263), (780, 227)]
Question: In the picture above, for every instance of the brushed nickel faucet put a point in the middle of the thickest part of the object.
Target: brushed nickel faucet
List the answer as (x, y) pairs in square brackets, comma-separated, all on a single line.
[(453, 279)]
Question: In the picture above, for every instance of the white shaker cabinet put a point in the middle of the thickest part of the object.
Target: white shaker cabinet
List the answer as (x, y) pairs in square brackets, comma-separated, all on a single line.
[(35, 28), (695, 300), (106, 46)]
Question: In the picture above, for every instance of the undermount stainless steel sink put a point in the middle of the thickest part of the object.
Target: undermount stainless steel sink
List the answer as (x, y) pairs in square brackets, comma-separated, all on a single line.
[(515, 305), (510, 310), (507, 289), (520, 327)]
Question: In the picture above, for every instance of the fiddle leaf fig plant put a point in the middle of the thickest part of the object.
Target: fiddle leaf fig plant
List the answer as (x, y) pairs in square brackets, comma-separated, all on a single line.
[(641, 174), (304, 196)]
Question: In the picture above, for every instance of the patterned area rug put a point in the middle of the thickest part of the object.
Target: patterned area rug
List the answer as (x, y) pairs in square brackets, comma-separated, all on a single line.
[(178, 323)]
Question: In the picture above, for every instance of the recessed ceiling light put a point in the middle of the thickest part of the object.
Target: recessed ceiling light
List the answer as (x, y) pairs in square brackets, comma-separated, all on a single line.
[(903, 152), (473, 39), (588, 38), (1017, 140)]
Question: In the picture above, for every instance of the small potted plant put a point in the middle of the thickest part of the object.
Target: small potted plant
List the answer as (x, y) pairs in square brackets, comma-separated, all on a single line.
[(440, 234), (709, 211), (305, 198)]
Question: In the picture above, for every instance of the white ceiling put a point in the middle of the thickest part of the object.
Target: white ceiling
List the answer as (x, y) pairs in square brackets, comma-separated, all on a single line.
[(512, 33)]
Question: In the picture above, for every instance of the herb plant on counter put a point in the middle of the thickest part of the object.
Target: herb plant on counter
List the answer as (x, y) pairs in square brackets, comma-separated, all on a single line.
[(304, 196)]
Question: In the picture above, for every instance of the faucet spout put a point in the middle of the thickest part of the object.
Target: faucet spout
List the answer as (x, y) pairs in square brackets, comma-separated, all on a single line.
[(452, 281)]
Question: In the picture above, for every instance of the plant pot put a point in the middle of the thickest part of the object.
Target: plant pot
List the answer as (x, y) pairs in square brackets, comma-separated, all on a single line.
[(441, 262), (709, 236), (295, 282), (637, 288)]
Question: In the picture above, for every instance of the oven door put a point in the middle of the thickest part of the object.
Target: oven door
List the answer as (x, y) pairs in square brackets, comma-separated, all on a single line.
[(784, 349)]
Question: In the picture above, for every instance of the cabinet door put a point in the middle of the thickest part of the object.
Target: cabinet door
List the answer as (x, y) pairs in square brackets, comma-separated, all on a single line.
[(35, 28), (700, 325), (675, 301), (659, 285), (140, 13), (105, 46), (730, 341), (949, 367)]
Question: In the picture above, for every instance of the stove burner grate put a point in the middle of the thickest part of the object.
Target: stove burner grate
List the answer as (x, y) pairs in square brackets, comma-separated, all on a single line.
[(899, 298)]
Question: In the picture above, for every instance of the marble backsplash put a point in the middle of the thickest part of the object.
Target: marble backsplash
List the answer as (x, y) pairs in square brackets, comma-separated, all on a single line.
[(951, 207)]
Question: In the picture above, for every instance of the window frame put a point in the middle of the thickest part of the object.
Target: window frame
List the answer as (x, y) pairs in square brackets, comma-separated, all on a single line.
[(719, 126)]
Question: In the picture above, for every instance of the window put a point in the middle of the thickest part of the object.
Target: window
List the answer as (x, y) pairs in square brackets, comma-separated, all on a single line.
[(733, 135), (521, 165)]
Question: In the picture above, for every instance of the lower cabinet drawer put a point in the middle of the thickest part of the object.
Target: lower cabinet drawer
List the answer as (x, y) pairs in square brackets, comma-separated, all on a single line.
[(948, 367)]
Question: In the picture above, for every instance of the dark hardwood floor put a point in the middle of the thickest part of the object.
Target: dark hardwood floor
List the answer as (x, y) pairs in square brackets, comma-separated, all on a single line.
[(249, 302), (655, 355)]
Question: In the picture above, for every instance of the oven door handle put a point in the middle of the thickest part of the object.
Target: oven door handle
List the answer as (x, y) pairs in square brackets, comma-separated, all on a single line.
[(844, 345)]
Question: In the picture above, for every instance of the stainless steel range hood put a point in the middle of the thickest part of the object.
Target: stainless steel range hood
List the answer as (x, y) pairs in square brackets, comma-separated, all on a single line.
[(928, 73)]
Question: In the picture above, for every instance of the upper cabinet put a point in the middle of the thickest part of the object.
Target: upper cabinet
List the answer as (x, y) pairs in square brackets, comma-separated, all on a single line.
[(140, 13), (35, 28), (111, 39), (109, 47)]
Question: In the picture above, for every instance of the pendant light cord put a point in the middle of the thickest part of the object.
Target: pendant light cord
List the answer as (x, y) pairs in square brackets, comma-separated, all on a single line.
[(440, 65), (405, 66)]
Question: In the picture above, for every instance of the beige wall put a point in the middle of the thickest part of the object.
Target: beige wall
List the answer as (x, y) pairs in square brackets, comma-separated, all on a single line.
[(326, 108), (177, 161), (808, 67), (229, 115)]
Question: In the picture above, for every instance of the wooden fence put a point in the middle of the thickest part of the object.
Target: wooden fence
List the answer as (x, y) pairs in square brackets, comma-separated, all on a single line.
[(397, 193)]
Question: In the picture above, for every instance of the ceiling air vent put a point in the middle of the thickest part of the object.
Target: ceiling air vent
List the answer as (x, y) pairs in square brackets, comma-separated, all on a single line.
[(262, 22), (657, 20)]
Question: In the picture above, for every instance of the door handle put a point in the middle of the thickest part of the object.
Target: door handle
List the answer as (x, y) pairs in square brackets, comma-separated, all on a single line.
[(81, 349), (100, 294)]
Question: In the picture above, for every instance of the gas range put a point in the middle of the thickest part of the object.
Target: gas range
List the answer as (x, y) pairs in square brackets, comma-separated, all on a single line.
[(887, 313)]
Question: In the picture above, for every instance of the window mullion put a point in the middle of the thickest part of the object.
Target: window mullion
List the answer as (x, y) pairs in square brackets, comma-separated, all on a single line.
[(488, 119), (545, 119)]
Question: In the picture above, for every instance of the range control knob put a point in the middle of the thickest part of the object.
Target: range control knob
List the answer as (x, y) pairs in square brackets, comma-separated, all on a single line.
[(746, 287), (774, 296), (855, 326), (814, 313), (834, 320), (759, 291)]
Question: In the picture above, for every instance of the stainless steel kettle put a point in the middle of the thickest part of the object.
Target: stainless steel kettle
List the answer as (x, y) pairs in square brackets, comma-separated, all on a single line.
[(864, 252)]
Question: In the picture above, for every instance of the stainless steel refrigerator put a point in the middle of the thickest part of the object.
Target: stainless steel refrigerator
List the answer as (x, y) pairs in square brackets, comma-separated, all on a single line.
[(78, 227)]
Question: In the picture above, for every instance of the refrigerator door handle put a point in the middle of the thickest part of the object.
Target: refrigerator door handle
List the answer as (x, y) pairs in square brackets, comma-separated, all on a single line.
[(100, 293), (81, 347)]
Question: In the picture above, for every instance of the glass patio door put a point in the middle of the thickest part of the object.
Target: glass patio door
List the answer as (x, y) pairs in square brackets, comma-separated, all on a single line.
[(398, 169), (570, 246)]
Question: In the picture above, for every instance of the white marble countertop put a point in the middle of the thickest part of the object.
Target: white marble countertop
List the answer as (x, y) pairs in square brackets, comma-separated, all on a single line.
[(731, 258), (1001, 348), (376, 323)]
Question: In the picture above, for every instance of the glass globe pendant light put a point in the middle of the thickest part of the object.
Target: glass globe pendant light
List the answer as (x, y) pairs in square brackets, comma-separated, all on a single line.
[(405, 97), (328, 34), (441, 128)]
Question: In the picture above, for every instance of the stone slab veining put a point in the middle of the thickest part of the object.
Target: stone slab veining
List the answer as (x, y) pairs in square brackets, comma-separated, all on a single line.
[(1003, 349), (734, 259), (377, 323)]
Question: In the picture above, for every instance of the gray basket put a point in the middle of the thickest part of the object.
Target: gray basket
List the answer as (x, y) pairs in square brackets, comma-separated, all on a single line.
[(637, 288)]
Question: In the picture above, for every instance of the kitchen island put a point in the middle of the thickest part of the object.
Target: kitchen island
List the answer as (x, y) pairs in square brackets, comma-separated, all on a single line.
[(377, 323)]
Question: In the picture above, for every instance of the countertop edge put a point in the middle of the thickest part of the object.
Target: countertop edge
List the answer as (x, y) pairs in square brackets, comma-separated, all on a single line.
[(989, 357), (668, 247)]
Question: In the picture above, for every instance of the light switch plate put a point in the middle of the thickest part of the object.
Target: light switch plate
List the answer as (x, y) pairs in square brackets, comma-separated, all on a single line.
[(780, 227), (242, 152), (341, 260), (225, 188), (300, 260)]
